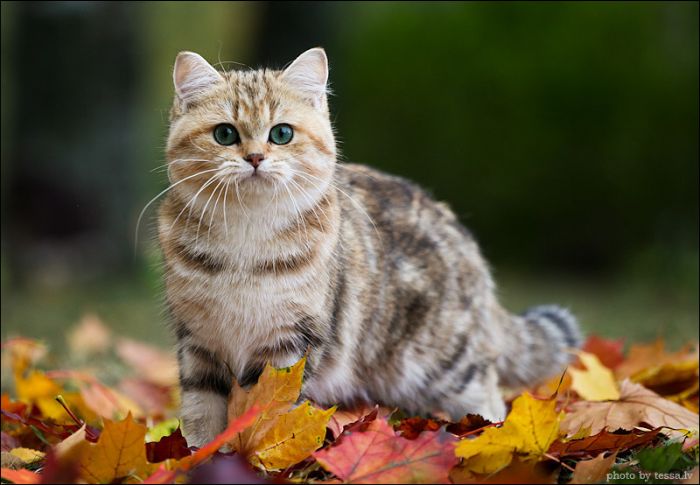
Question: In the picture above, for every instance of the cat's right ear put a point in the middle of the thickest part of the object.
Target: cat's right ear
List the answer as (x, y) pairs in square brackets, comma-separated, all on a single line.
[(192, 76)]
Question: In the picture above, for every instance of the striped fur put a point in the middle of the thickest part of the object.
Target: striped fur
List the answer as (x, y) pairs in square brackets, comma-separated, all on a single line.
[(380, 284)]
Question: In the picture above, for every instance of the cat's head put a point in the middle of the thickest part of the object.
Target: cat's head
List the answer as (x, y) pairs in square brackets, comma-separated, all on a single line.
[(264, 133)]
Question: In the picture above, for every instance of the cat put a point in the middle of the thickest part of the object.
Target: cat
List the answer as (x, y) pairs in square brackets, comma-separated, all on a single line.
[(274, 250)]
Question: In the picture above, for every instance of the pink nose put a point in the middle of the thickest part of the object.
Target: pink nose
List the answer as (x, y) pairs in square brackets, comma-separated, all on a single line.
[(255, 159)]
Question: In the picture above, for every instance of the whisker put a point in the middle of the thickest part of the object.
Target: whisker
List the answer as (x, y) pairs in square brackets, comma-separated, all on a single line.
[(191, 201), (203, 213), (170, 187), (213, 210)]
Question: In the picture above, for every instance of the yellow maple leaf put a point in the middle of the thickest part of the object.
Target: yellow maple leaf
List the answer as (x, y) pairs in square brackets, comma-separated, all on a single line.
[(27, 455), (119, 453), (528, 431), (596, 383), (276, 392), (282, 434), (294, 437)]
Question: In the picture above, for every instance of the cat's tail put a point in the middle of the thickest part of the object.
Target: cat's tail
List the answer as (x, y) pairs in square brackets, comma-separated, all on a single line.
[(538, 344)]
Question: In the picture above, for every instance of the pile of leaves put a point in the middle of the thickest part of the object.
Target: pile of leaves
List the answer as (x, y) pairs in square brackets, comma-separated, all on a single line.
[(111, 417)]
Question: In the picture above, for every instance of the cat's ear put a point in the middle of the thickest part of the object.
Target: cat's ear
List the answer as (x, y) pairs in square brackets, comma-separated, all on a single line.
[(308, 74), (193, 75)]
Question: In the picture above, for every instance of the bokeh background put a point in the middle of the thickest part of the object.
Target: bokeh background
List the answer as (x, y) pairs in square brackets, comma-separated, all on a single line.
[(565, 135)]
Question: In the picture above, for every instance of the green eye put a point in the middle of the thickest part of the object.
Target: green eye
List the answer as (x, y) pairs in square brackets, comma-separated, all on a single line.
[(226, 134), (281, 134)]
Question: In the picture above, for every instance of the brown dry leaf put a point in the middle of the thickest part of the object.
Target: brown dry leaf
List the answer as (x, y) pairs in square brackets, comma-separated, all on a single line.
[(676, 381), (593, 471), (119, 453), (344, 417), (149, 362), (73, 446), (637, 405), (89, 337)]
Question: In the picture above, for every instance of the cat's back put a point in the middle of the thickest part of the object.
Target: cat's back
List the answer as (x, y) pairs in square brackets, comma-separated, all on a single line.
[(398, 210)]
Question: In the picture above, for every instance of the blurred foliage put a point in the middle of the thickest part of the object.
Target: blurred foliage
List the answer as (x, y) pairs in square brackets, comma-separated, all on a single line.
[(565, 135)]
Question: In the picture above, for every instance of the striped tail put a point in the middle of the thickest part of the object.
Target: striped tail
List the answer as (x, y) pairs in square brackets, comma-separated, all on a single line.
[(538, 345)]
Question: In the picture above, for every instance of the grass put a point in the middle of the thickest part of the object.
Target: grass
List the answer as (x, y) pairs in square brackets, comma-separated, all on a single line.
[(132, 306)]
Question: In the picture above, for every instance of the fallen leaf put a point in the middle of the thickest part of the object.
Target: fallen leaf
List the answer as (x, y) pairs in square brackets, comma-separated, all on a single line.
[(149, 362), (89, 337), (529, 430), (19, 476), (276, 392), (642, 355), (378, 455), (637, 405), (596, 383), (593, 471), (281, 436), (23, 354), (9, 442), (172, 446), (343, 418), (609, 352), (75, 444), (603, 441), (294, 437), (119, 453), (517, 472), (411, 428), (28, 455)]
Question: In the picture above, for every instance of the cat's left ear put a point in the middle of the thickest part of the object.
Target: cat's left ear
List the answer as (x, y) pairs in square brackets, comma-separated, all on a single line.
[(193, 76), (308, 74)]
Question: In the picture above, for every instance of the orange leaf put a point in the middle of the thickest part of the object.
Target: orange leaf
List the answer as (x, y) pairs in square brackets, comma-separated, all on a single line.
[(234, 427), (20, 476), (378, 455), (119, 453), (609, 352)]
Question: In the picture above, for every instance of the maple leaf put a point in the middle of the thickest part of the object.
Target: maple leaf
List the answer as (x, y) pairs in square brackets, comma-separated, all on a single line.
[(636, 405), (343, 419), (281, 436), (149, 362), (517, 472), (603, 441), (20, 476), (609, 352), (529, 430), (596, 383), (641, 356), (294, 437), (171, 446), (119, 453), (89, 337), (593, 471), (379, 455)]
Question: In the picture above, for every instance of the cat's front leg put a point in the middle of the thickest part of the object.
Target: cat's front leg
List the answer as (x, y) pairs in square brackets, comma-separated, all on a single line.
[(205, 384), (203, 416)]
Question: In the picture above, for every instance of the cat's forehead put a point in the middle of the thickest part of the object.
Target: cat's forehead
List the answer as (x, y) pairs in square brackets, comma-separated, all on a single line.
[(253, 93)]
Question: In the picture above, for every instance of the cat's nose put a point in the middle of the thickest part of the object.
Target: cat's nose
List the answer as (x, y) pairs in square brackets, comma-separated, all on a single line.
[(254, 159)]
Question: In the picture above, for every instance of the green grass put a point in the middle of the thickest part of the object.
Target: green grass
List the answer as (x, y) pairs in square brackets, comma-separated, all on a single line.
[(132, 306)]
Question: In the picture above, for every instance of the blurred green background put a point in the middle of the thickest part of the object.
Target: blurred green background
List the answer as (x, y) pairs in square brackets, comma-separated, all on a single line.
[(565, 135)]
